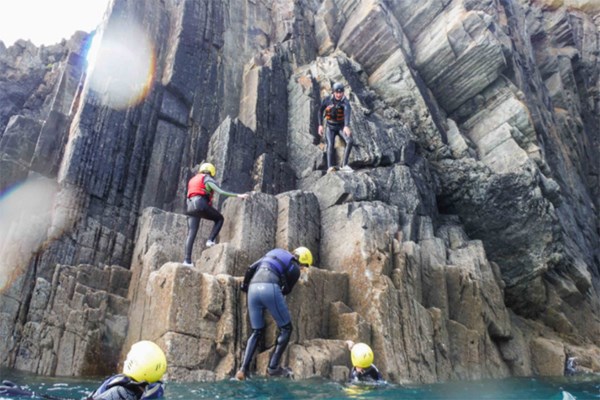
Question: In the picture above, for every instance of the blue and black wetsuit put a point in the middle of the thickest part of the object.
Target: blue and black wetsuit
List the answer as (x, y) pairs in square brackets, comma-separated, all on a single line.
[(267, 281), (370, 374), (201, 189), (117, 387), (121, 387)]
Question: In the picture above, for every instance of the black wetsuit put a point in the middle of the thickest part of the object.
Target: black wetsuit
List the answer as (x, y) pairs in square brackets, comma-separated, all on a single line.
[(337, 114), (370, 374), (120, 387), (199, 206), (267, 281), (116, 387)]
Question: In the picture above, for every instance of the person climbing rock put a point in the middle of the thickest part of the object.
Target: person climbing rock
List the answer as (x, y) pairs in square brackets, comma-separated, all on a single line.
[(201, 189), (363, 369), (266, 281), (337, 109), (143, 369)]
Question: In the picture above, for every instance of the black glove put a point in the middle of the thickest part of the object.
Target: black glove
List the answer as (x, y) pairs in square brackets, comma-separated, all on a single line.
[(244, 287), (9, 388)]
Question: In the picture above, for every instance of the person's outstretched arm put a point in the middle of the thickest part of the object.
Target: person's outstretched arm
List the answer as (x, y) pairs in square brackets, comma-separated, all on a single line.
[(212, 185)]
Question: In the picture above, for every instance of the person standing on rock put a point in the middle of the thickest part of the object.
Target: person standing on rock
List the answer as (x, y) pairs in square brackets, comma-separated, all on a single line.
[(266, 282), (337, 113), (201, 189)]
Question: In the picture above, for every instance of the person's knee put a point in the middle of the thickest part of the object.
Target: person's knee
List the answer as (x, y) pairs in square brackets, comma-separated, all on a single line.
[(284, 333), (257, 333), (216, 217)]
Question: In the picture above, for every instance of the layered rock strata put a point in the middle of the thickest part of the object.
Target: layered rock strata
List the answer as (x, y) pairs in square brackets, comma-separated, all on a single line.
[(464, 245)]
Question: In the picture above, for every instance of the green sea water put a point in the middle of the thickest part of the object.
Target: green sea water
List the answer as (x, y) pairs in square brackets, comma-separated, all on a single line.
[(578, 387)]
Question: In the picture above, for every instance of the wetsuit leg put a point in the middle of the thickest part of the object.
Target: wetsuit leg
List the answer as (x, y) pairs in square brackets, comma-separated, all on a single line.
[(274, 301), (349, 143), (256, 304), (330, 138), (257, 321), (251, 346), (282, 341), (193, 225), (209, 212)]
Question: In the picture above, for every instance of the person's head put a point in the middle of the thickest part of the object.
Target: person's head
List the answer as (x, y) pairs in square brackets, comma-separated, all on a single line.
[(303, 256), (145, 362), (362, 355), (207, 168), (338, 90)]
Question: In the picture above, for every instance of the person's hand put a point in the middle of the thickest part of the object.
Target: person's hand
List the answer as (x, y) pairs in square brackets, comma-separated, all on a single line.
[(350, 344), (320, 130), (347, 131), (243, 196)]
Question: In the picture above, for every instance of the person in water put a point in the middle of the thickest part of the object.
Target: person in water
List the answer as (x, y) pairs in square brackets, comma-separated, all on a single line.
[(266, 282), (363, 369), (201, 189), (570, 365), (143, 369)]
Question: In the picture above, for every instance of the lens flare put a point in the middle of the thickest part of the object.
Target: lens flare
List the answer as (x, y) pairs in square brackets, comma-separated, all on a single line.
[(25, 218), (121, 65)]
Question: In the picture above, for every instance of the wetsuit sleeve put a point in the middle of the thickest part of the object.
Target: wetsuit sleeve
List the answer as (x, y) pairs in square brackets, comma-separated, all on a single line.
[(347, 112), (354, 375), (248, 276), (291, 277), (119, 387), (117, 393), (212, 185), (322, 109), (368, 375), (154, 390), (374, 373)]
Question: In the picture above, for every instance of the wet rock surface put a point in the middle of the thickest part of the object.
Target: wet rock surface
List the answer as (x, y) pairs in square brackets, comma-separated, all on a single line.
[(463, 246)]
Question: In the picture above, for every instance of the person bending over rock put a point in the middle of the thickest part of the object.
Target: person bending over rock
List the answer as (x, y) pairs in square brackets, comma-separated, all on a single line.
[(266, 282)]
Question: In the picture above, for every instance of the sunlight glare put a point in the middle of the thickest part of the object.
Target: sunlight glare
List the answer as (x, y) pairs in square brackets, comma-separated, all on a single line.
[(26, 217), (121, 65)]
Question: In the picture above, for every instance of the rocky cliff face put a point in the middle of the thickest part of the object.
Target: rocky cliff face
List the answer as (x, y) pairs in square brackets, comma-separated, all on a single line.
[(465, 245)]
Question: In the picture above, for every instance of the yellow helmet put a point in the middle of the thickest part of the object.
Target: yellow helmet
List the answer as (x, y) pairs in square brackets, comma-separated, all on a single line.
[(303, 255), (145, 362), (362, 355), (208, 168)]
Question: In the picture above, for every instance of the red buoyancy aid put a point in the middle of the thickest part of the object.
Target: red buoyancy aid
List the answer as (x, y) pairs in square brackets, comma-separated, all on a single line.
[(334, 112), (197, 187)]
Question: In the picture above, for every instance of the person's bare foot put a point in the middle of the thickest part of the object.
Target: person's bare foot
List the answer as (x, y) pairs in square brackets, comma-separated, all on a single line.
[(240, 375)]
